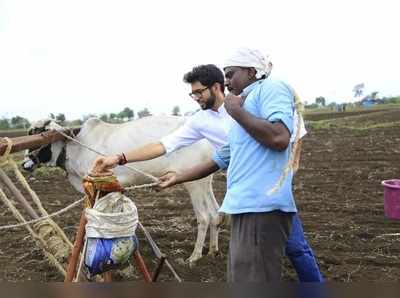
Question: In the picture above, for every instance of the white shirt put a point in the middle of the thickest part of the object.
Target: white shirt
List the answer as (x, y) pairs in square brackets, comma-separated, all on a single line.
[(204, 124), (210, 125)]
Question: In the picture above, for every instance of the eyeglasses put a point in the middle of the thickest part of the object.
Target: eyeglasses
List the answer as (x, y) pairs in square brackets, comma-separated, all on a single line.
[(197, 93)]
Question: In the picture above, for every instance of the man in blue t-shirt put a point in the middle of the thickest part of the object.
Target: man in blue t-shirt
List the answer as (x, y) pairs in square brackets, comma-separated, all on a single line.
[(259, 196)]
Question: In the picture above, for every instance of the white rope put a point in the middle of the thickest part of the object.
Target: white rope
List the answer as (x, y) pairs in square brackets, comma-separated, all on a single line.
[(102, 154), (392, 235), (73, 205), (141, 186)]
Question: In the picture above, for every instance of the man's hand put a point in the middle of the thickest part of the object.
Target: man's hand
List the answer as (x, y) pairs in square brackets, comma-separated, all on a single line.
[(197, 172), (233, 103), (168, 179), (104, 164)]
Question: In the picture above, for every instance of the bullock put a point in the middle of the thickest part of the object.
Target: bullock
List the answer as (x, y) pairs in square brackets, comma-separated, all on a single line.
[(115, 138)]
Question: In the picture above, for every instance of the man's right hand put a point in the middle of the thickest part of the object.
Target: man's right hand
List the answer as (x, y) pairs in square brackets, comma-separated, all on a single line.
[(168, 179), (104, 164)]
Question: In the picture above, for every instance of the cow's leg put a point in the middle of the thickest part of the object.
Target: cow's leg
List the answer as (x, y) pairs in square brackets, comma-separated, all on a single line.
[(215, 219), (196, 192), (202, 196)]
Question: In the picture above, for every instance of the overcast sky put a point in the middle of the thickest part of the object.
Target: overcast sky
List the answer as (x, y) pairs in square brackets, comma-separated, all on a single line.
[(91, 56)]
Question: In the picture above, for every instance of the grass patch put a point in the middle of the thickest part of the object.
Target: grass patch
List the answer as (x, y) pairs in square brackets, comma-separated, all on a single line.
[(48, 172), (328, 124), (40, 172), (378, 125), (322, 124)]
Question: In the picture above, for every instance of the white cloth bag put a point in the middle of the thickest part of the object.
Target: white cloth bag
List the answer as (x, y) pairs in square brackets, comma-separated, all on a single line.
[(112, 216)]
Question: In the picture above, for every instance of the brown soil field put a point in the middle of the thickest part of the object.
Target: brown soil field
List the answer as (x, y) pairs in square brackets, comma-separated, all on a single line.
[(338, 192)]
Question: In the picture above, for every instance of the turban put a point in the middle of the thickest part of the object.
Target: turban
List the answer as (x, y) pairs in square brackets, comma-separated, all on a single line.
[(244, 57)]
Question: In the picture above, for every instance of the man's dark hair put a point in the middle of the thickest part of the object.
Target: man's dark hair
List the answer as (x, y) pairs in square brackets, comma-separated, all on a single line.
[(207, 75)]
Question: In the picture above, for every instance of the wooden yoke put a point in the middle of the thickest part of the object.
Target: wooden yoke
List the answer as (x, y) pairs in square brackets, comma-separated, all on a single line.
[(35, 141)]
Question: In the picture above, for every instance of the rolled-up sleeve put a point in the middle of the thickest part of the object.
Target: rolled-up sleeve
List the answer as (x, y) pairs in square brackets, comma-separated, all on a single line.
[(222, 157), (277, 103), (286, 119)]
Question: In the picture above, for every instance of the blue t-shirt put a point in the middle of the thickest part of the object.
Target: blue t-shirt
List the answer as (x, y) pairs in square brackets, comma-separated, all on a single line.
[(252, 168)]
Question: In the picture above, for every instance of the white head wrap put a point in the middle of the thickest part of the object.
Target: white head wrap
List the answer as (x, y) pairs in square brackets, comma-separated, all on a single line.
[(245, 57)]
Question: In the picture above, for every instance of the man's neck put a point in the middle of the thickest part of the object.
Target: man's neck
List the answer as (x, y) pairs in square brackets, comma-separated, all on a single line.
[(218, 102), (250, 82)]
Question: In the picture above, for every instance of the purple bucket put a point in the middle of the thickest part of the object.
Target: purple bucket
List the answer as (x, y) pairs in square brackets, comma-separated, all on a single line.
[(392, 198)]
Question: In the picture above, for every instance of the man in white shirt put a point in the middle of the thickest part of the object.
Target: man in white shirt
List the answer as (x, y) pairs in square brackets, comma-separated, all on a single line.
[(212, 122)]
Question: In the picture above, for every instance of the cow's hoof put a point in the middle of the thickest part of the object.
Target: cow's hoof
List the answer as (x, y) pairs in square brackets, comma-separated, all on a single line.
[(193, 259)]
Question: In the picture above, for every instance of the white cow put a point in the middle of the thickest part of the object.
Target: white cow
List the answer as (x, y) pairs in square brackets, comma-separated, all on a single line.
[(115, 138)]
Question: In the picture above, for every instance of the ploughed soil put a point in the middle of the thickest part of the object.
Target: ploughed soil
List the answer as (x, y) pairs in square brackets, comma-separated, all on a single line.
[(338, 191)]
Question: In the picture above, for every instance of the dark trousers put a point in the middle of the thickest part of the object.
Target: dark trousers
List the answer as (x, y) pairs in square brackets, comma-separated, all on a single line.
[(256, 246)]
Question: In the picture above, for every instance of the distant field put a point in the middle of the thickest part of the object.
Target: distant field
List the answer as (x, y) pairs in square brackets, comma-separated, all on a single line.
[(327, 114), (352, 109)]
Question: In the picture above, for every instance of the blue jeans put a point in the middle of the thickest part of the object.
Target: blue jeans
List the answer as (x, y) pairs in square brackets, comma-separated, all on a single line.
[(301, 255)]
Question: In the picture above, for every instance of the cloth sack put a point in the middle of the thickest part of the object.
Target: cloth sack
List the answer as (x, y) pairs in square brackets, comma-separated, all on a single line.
[(110, 232)]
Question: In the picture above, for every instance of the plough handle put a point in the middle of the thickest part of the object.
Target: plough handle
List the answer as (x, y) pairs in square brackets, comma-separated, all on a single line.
[(76, 250)]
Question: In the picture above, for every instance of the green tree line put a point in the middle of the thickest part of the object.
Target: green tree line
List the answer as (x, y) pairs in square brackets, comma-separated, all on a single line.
[(127, 114), (320, 101)]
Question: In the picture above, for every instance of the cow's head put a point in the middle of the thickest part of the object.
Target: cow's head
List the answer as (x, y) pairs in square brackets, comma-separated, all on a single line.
[(50, 155)]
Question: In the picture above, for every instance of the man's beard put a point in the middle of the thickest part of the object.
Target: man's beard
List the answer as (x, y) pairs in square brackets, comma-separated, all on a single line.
[(210, 102)]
